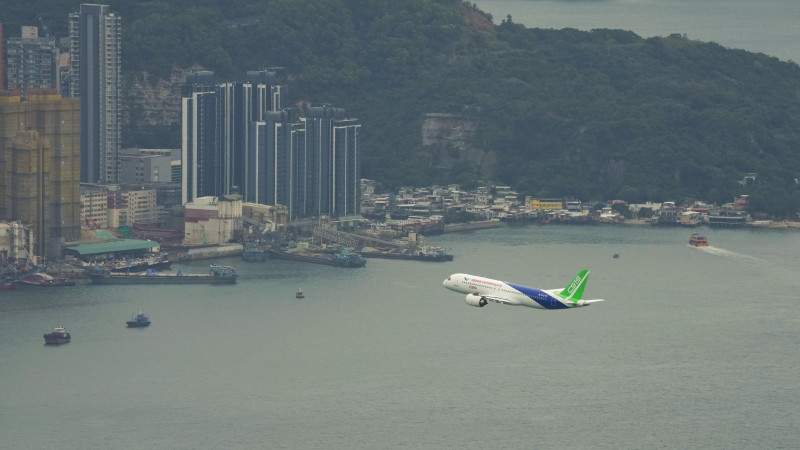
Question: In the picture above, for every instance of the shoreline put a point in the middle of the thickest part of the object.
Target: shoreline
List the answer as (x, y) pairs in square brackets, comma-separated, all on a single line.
[(773, 225)]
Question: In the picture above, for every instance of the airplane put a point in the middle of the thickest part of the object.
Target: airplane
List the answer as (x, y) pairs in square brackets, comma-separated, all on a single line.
[(480, 291)]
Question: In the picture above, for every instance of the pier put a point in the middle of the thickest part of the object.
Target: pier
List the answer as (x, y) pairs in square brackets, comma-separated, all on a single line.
[(354, 240)]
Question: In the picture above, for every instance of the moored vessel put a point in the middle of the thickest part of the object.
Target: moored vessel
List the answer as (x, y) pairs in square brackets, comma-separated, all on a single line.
[(217, 275), (432, 254), (46, 280), (127, 265), (698, 240), (254, 254), (58, 336), (341, 258)]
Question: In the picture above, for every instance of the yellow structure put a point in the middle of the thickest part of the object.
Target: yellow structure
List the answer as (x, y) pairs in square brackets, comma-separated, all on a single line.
[(540, 203), (40, 167)]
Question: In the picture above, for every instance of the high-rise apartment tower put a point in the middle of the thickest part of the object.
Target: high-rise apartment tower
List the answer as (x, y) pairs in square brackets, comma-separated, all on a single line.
[(95, 67), (39, 173), (31, 62)]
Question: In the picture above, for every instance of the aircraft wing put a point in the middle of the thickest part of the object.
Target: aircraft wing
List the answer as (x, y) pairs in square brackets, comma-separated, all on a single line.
[(594, 300), (496, 299)]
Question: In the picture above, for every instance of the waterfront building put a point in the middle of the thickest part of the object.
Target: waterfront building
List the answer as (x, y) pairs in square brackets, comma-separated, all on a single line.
[(213, 220), (332, 163), (129, 206), (545, 203), (199, 159), (16, 240), (113, 206), (217, 155), (39, 167), (268, 177), (238, 138), (216, 131), (32, 62), (669, 214), (94, 207), (95, 77), (104, 247), (299, 185), (346, 182)]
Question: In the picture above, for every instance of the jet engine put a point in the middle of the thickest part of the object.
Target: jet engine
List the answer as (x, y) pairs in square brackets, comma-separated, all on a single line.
[(476, 300)]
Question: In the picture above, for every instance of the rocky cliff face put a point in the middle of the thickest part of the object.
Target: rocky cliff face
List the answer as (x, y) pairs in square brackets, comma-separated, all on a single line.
[(447, 138), (151, 102)]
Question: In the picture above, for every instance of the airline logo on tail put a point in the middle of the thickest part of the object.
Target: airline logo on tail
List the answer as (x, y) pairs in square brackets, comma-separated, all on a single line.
[(480, 291), (574, 291)]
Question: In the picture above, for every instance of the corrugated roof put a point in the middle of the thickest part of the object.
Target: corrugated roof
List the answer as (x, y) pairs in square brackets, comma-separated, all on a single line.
[(119, 245), (104, 235)]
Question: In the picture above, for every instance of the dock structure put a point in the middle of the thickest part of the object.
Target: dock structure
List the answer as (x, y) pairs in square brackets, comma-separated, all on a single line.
[(353, 240)]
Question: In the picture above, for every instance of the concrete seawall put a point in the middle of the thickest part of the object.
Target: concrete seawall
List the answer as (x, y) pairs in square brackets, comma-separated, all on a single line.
[(469, 226), (214, 252)]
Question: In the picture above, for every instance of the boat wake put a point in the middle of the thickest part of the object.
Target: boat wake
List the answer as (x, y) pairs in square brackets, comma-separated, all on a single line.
[(726, 253)]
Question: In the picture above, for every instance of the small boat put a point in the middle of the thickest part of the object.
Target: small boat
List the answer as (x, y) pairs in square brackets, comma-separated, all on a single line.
[(138, 321), (616, 255), (6, 286), (299, 294), (698, 240), (58, 336)]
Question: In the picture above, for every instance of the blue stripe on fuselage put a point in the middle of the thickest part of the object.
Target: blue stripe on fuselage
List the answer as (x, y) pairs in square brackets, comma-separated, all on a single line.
[(540, 297)]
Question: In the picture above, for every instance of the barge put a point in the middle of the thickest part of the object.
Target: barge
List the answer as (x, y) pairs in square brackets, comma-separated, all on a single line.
[(341, 258), (431, 254), (157, 262), (217, 275)]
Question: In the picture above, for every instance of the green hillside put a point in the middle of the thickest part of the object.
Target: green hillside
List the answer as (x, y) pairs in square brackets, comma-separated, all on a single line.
[(594, 115)]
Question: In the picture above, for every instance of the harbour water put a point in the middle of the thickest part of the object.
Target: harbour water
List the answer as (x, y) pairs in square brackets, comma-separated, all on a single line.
[(765, 26), (693, 348)]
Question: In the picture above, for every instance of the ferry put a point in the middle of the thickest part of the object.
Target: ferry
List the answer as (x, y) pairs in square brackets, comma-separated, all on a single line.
[(698, 240)]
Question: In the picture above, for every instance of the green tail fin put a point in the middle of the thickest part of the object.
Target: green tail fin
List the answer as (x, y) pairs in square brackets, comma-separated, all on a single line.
[(574, 290)]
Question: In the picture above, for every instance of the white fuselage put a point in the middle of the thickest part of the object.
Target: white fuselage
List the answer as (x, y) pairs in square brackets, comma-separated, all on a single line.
[(506, 293)]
